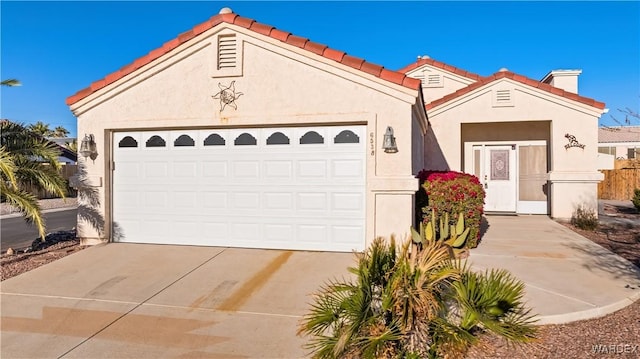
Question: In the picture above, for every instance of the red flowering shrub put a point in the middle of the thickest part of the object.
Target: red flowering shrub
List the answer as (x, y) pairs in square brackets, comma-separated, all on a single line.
[(452, 192)]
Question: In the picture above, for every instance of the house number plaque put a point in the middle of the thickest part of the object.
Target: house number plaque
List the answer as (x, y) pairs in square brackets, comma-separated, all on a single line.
[(372, 144)]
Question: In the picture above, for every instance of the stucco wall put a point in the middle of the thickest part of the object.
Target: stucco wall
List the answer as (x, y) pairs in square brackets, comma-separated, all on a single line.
[(279, 86), (575, 165)]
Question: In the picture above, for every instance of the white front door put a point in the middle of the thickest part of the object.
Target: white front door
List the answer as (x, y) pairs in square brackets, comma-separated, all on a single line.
[(300, 188), (498, 175)]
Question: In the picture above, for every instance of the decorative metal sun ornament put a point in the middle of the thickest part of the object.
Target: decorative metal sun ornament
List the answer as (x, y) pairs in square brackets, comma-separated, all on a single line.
[(227, 95)]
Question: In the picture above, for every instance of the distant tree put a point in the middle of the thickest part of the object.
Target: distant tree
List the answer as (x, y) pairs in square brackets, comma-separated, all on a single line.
[(28, 160), (41, 129), (60, 131), (11, 82), (73, 145)]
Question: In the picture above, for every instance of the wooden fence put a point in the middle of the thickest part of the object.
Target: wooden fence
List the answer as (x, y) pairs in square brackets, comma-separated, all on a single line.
[(620, 182), (66, 171)]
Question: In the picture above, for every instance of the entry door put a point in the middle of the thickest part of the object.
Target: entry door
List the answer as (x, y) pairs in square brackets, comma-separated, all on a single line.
[(499, 177)]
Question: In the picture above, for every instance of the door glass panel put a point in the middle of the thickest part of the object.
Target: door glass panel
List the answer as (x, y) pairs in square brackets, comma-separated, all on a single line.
[(533, 173), (499, 165)]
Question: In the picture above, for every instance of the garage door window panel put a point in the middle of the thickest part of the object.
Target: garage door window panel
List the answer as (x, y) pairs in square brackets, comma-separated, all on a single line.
[(245, 139), (184, 141), (278, 138), (214, 139), (346, 136), (310, 138), (128, 142), (156, 141)]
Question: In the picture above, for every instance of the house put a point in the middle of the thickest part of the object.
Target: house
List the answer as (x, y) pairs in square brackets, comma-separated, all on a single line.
[(622, 142), (239, 134), (532, 143)]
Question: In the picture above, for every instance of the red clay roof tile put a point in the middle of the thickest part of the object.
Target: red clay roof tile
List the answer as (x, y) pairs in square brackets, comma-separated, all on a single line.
[(315, 47), (392, 76), (372, 69), (297, 41), (261, 28), (518, 78), (334, 55), (231, 18), (244, 22), (352, 61), (441, 65), (280, 35)]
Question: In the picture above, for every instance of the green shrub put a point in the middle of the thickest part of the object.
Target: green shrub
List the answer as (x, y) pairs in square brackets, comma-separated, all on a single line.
[(636, 198), (452, 192), (407, 301), (585, 218)]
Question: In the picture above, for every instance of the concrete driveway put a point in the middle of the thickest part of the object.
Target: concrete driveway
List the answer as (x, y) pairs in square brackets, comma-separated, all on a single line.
[(150, 301)]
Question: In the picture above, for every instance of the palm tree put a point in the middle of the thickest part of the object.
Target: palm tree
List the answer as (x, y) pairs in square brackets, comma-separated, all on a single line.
[(60, 132), (413, 303), (28, 160), (40, 128), (11, 82), (73, 145)]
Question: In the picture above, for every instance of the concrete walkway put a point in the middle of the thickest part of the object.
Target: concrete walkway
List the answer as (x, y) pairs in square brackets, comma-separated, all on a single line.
[(150, 301), (567, 276)]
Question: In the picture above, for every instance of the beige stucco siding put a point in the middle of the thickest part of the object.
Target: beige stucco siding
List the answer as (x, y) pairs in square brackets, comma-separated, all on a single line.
[(528, 106), (279, 86)]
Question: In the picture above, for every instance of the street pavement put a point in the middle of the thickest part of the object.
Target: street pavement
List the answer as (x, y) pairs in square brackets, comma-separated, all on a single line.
[(17, 234)]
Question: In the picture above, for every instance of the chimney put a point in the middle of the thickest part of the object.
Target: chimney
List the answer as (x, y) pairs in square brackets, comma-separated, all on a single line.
[(563, 79)]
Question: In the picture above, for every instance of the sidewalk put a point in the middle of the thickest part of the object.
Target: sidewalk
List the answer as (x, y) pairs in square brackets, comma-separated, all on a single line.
[(46, 205)]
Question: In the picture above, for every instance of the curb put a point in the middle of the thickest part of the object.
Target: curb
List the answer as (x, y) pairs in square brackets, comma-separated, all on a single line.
[(60, 209), (589, 313)]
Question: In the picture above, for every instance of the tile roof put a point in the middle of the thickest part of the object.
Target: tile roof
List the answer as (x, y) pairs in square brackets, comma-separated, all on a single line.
[(619, 134), (440, 65), (518, 78), (267, 30)]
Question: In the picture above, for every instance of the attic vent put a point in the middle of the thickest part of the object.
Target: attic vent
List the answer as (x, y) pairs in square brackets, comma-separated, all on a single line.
[(434, 80), (227, 52), (502, 98)]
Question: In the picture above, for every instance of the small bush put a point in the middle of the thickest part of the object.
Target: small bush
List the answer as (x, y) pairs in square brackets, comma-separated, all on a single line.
[(452, 192), (636, 198), (585, 218)]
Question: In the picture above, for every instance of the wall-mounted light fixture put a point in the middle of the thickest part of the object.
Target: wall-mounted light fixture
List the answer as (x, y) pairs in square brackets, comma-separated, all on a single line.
[(88, 147), (389, 141)]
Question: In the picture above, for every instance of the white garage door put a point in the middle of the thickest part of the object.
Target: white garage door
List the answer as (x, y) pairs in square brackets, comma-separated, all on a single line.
[(283, 188)]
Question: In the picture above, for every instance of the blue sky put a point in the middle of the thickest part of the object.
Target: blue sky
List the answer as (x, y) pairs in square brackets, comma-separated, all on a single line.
[(57, 48)]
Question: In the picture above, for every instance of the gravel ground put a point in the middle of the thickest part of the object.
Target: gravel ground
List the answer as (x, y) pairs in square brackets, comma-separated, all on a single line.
[(45, 204), (616, 335)]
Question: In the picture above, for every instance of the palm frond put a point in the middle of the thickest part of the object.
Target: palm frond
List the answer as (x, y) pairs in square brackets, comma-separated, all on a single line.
[(26, 203)]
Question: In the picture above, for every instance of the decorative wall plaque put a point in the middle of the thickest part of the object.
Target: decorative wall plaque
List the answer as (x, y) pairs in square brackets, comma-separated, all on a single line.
[(227, 95), (573, 142)]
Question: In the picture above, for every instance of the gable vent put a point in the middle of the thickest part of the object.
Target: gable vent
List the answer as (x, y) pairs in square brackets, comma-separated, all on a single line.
[(433, 80), (503, 96), (227, 51)]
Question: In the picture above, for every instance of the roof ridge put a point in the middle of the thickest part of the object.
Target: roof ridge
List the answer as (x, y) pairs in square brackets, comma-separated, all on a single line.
[(518, 78), (267, 30), (441, 65)]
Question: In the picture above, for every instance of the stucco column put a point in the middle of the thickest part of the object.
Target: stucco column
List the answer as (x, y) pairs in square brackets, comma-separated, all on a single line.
[(570, 190), (394, 206)]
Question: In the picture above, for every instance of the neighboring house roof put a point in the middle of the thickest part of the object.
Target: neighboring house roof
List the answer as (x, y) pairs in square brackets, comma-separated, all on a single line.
[(518, 78), (619, 134), (441, 65), (283, 36), (64, 151)]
